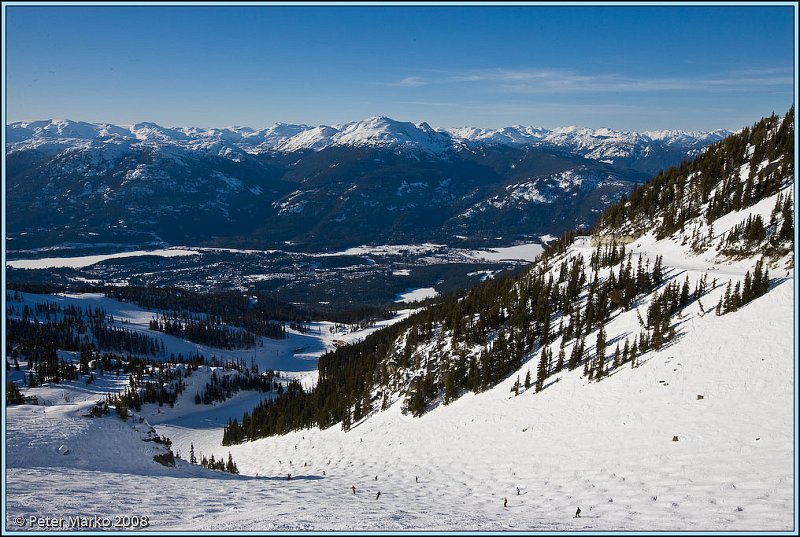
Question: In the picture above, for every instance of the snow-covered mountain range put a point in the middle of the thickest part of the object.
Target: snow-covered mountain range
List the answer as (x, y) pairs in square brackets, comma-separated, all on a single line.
[(377, 131), (371, 181)]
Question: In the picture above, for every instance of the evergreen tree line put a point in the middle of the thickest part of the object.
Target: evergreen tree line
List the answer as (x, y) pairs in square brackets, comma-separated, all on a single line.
[(261, 314), (290, 410), (25, 336), (212, 464), (207, 330), (238, 309), (222, 387), (773, 238), (45, 365), (740, 294), (124, 340), (160, 385), (224, 304), (150, 381), (69, 328), (679, 194)]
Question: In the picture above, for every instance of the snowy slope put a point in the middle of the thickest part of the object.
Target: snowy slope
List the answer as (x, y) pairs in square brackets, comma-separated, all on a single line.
[(313, 139), (381, 131), (606, 447)]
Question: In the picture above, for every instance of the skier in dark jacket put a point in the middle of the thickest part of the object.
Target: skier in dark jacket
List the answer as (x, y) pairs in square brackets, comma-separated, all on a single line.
[(378, 495), (505, 502), (577, 513), (354, 489)]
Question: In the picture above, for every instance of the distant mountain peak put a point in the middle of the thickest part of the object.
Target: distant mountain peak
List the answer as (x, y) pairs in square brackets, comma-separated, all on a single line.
[(376, 131)]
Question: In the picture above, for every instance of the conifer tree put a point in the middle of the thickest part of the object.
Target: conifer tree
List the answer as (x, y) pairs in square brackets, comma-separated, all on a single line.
[(684, 300), (560, 362), (541, 371), (346, 420), (450, 391), (600, 351), (231, 467)]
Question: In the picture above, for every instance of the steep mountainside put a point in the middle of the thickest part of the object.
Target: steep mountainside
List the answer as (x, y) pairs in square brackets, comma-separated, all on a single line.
[(705, 238), (371, 181)]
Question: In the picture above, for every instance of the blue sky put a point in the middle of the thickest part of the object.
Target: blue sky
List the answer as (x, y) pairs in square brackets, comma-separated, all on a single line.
[(623, 67)]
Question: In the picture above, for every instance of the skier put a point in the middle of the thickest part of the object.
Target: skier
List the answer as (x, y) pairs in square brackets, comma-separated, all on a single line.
[(378, 495), (289, 476), (517, 491), (577, 513), (505, 502), (376, 478), (416, 479), (354, 489)]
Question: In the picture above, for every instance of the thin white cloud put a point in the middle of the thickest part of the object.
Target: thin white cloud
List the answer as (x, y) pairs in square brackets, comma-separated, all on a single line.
[(564, 80), (762, 71), (407, 82)]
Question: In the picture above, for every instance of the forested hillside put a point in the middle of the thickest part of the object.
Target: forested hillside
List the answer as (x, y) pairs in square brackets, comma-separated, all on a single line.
[(554, 317)]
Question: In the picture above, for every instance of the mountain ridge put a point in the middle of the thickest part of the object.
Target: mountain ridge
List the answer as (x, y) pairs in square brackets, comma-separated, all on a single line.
[(379, 131), (374, 181)]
